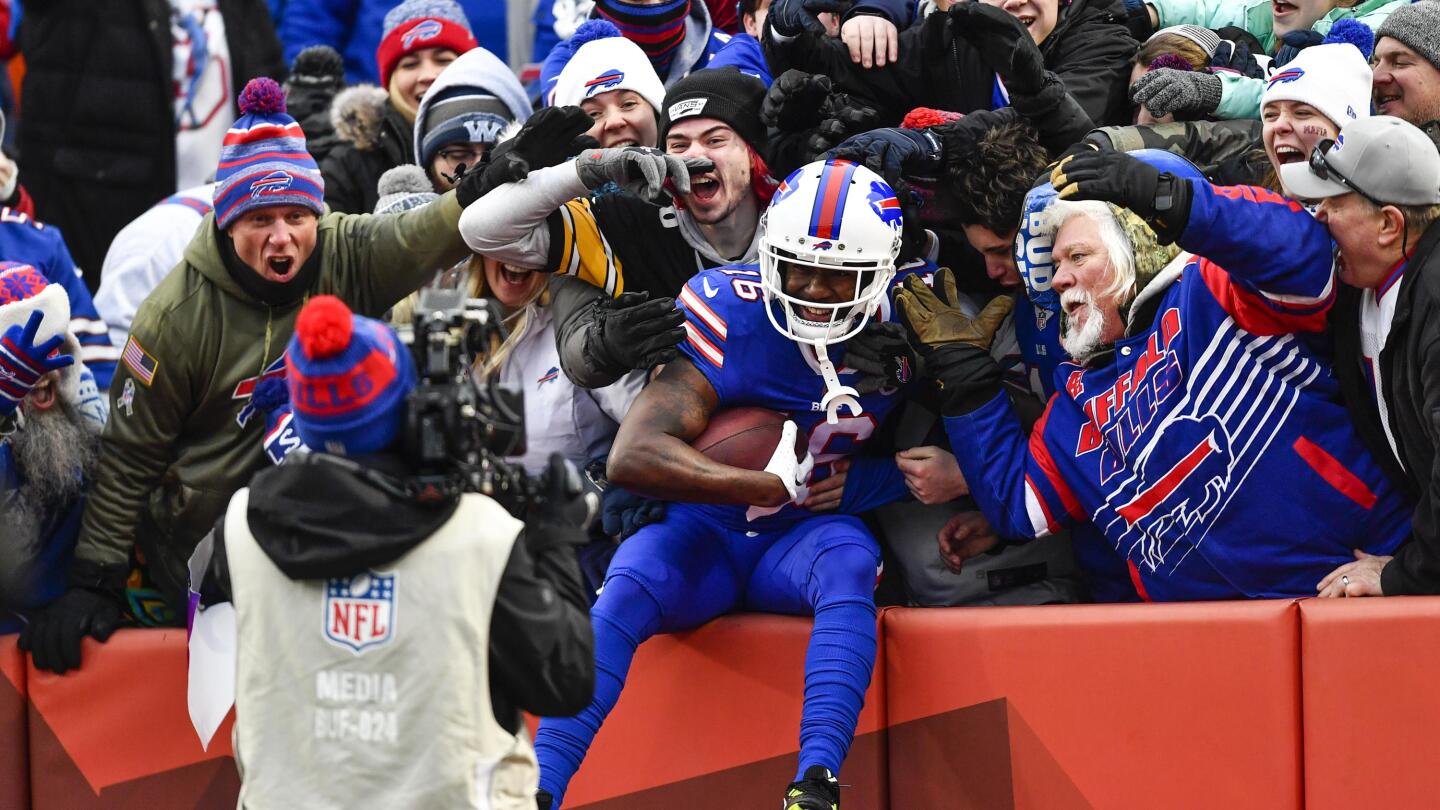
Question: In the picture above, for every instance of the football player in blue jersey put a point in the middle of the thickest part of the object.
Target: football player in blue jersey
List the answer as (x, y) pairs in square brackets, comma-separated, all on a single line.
[(769, 336)]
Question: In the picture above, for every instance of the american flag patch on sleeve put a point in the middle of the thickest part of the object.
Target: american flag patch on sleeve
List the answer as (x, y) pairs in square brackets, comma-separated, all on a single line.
[(139, 361)]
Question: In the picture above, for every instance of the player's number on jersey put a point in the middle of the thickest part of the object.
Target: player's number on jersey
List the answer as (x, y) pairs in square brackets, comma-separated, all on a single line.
[(828, 442), (745, 289)]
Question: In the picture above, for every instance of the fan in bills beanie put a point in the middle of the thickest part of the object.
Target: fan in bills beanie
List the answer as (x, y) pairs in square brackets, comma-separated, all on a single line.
[(415, 25), (23, 292), (263, 160), (348, 378)]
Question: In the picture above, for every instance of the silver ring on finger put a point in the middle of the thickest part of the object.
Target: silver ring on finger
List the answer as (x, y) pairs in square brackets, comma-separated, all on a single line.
[(1345, 580)]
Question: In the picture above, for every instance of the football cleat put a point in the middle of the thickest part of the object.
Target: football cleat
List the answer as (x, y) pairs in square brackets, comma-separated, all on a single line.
[(819, 790)]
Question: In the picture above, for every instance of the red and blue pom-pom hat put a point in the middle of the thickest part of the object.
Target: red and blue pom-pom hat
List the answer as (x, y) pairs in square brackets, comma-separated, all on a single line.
[(348, 377), (264, 160)]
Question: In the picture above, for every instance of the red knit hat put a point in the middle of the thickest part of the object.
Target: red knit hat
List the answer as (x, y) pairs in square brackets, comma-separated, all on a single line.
[(419, 24)]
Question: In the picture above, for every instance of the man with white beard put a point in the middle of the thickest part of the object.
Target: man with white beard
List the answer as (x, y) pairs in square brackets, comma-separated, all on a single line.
[(50, 419), (1198, 436)]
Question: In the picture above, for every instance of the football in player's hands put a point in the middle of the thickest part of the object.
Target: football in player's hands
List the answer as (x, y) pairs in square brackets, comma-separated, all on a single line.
[(745, 437)]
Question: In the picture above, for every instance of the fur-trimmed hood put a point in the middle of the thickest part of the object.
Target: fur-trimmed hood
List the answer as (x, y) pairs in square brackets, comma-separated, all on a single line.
[(357, 114)]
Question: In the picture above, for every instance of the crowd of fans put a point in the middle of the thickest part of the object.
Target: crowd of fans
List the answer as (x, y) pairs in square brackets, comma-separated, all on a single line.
[(1173, 336)]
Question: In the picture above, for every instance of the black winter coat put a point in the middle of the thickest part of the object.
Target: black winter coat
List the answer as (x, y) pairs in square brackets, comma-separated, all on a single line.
[(1410, 374), (1090, 51), (372, 138), (97, 132)]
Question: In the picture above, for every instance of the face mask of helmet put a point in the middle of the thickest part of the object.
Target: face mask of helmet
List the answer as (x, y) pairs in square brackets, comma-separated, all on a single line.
[(835, 217)]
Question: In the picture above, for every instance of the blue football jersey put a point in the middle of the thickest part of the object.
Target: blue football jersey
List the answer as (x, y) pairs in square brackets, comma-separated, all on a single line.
[(730, 339)]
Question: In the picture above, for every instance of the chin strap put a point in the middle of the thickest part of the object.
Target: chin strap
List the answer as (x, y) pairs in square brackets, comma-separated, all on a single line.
[(836, 395)]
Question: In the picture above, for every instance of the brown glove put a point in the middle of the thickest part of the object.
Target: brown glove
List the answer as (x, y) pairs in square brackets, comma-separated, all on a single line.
[(934, 321)]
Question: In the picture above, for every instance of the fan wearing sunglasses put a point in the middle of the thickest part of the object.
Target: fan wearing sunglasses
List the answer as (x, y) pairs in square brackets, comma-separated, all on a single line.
[(1378, 187)]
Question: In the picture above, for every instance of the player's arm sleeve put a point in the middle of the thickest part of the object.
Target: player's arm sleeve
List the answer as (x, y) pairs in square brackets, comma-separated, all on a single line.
[(385, 258), (1013, 478), (542, 649), (706, 333), (510, 223), (96, 350), (1267, 261), (1416, 567), (155, 376), (871, 481)]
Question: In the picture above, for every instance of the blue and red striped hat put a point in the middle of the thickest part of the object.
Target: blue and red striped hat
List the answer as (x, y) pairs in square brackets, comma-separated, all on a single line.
[(263, 160), (348, 378)]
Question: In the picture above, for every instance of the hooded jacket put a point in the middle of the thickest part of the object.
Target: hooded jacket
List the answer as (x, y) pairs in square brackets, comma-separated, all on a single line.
[(475, 68), (183, 437), (1089, 52), (372, 138)]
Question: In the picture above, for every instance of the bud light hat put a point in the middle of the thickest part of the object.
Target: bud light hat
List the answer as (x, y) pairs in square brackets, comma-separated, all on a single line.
[(415, 25), (263, 159), (348, 378), (604, 63), (1334, 79)]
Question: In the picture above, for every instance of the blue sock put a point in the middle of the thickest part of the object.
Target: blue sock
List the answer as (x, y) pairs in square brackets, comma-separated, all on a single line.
[(841, 655), (625, 615)]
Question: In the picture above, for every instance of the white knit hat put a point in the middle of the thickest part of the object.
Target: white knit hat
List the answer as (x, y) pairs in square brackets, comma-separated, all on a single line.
[(1333, 78), (602, 65), (24, 290)]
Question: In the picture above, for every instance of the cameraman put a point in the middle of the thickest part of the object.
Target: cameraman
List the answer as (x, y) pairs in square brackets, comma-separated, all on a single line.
[(365, 613)]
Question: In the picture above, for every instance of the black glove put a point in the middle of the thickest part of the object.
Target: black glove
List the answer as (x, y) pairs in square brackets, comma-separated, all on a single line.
[(1160, 198), (548, 138), (1295, 42), (633, 332), (883, 355), (562, 508), (1003, 43), (913, 239), (1235, 56), (95, 609), (791, 18), (894, 151), (316, 75), (845, 115), (965, 375), (795, 101), (622, 512)]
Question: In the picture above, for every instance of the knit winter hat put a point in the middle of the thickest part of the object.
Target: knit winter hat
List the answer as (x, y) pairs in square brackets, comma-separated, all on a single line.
[(23, 291), (472, 101), (1333, 78), (402, 188), (658, 27), (1417, 26), (263, 159), (348, 378), (418, 24), (724, 94), (606, 61), (1207, 40)]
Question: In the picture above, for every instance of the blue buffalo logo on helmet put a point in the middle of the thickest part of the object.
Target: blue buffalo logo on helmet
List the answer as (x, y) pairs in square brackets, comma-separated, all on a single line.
[(1286, 76), (425, 29), (360, 610), (272, 183), (787, 186), (603, 82), (883, 200)]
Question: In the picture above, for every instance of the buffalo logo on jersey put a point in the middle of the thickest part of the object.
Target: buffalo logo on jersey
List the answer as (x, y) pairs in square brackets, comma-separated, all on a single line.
[(886, 205), (360, 610), (1286, 76), (1122, 412), (426, 29), (246, 388), (1188, 474), (603, 82), (272, 183)]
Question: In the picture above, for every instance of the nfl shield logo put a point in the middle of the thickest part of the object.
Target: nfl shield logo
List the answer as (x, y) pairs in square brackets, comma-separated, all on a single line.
[(360, 610)]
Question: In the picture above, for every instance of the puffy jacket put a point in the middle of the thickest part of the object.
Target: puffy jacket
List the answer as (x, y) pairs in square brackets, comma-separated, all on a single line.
[(373, 138), (183, 437), (99, 133), (354, 28)]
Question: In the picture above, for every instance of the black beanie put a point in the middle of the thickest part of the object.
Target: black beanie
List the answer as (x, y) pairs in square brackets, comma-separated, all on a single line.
[(725, 94)]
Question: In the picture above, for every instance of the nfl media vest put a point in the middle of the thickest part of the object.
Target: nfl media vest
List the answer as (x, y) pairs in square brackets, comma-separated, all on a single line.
[(375, 689)]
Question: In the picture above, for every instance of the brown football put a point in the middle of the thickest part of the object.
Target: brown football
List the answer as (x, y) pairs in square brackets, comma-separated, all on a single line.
[(744, 437)]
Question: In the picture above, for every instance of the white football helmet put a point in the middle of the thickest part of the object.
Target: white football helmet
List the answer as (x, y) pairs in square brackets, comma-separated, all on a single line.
[(833, 215)]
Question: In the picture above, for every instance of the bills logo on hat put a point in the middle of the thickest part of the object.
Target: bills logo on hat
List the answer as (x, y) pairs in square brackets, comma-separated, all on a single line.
[(1286, 76), (601, 83), (360, 610), (426, 29), (883, 200), (272, 183)]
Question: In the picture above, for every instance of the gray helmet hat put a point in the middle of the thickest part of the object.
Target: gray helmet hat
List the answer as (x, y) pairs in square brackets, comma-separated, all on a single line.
[(1382, 158)]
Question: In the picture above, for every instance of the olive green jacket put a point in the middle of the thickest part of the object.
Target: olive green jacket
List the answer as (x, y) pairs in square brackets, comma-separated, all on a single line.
[(181, 442)]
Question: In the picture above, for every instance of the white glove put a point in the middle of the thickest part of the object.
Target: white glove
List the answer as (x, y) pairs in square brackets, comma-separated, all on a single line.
[(791, 472)]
